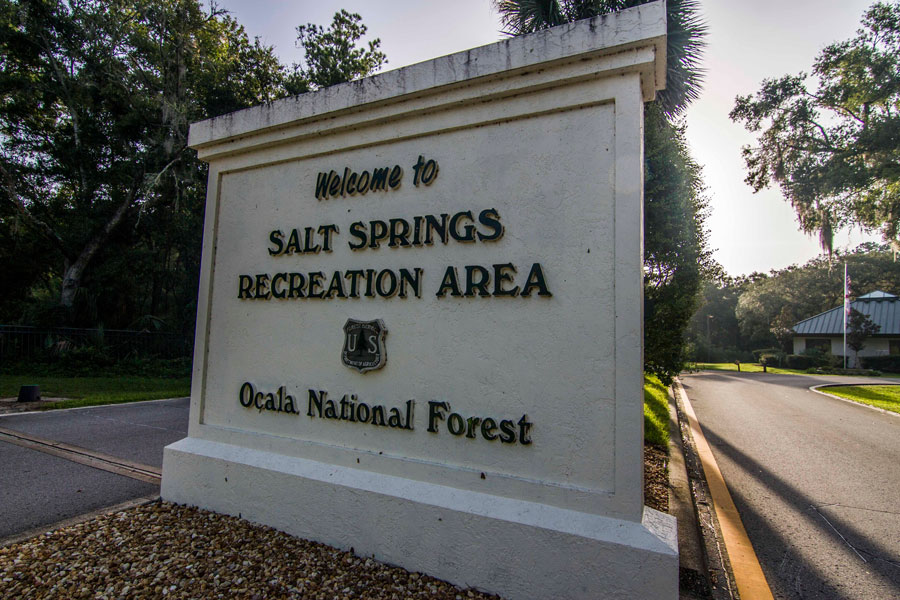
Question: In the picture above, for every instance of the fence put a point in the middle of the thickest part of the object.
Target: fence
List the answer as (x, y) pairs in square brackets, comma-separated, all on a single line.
[(19, 342)]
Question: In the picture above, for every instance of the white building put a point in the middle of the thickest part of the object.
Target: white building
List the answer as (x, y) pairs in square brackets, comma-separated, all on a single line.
[(825, 331)]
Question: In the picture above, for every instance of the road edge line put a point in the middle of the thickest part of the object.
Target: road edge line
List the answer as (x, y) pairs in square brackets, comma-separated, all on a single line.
[(717, 570), (747, 572)]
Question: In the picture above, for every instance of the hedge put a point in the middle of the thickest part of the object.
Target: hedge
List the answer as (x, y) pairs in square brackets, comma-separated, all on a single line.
[(889, 363), (801, 361)]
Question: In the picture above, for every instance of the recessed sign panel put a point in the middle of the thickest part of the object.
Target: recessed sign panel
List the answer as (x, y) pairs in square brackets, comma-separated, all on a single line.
[(493, 272)]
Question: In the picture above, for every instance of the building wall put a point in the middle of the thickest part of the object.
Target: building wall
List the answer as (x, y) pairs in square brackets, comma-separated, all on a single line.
[(879, 346)]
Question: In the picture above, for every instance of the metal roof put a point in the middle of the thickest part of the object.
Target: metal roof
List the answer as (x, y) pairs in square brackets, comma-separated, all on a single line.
[(882, 308)]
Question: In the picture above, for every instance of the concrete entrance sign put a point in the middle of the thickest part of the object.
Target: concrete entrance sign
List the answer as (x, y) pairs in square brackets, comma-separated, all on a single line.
[(419, 328)]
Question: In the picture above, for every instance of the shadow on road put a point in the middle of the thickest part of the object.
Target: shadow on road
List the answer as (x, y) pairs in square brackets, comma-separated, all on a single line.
[(713, 375), (796, 575), (788, 379)]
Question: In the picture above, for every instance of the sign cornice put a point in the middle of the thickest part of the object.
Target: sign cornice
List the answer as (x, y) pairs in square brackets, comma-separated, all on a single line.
[(616, 37)]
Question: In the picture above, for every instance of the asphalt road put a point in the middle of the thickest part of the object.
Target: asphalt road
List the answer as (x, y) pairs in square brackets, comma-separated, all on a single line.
[(38, 489), (816, 481)]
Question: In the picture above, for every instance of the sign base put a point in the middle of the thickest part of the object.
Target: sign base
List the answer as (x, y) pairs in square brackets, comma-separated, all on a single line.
[(515, 548)]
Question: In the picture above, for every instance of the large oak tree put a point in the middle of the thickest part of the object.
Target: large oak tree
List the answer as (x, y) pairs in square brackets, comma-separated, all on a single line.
[(834, 149), (101, 201)]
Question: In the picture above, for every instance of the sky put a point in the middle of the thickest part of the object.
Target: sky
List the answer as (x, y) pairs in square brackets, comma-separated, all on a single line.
[(747, 42)]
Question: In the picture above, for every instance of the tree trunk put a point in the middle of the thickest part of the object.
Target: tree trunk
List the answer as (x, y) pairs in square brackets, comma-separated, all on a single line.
[(72, 276), (70, 283)]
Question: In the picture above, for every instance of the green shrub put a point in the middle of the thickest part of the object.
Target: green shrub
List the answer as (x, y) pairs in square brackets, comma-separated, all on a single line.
[(757, 354), (700, 352), (839, 371), (85, 357), (800, 361), (889, 363), (822, 359), (770, 360)]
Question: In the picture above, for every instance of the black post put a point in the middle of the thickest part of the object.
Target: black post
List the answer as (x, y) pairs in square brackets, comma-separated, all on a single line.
[(29, 393)]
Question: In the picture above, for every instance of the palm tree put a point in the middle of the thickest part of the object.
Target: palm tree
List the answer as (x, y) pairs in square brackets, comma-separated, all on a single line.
[(686, 32)]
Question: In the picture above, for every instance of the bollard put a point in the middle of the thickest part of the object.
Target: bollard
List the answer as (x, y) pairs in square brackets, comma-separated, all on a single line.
[(29, 393)]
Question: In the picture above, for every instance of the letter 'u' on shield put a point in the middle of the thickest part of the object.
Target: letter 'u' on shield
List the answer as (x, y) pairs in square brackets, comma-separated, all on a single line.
[(368, 356)]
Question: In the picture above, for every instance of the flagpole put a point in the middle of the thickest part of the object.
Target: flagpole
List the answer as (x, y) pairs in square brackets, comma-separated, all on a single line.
[(846, 309)]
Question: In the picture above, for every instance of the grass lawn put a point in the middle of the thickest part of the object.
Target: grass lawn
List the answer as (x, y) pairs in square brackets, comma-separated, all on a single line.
[(656, 412), (90, 391), (881, 396), (755, 368)]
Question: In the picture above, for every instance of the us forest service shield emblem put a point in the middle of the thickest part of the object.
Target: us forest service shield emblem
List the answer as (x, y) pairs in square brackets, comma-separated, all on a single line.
[(364, 348)]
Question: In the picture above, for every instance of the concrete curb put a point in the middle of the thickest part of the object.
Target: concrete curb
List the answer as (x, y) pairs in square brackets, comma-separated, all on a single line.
[(37, 531), (693, 583), (817, 389), (720, 577)]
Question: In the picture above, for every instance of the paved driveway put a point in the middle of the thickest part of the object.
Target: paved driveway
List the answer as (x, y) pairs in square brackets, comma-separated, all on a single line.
[(38, 489), (816, 481)]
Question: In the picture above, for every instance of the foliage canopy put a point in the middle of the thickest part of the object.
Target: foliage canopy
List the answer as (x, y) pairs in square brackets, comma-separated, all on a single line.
[(759, 311), (834, 151), (101, 201), (332, 56)]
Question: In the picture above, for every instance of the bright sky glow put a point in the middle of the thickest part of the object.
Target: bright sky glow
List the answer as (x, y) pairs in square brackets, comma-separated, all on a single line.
[(747, 42)]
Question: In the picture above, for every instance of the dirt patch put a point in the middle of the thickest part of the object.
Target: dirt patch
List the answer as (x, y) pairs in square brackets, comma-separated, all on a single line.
[(12, 405), (656, 478)]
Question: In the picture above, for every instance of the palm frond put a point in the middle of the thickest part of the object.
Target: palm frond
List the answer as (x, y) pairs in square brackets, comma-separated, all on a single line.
[(684, 46)]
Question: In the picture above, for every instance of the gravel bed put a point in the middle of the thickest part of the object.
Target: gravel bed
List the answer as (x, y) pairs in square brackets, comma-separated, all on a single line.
[(162, 550)]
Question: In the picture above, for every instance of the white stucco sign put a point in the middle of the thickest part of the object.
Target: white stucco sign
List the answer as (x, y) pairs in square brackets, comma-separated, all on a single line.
[(419, 330)]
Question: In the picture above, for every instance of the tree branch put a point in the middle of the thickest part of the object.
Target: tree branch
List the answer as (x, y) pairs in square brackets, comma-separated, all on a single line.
[(154, 201), (41, 227), (824, 133)]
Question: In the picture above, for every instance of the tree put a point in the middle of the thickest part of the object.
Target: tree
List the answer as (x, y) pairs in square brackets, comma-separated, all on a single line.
[(676, 255), (770, 306), (859, 328), (835, 152), (331, 56), (97, 99), (101, 201), (725, 342)]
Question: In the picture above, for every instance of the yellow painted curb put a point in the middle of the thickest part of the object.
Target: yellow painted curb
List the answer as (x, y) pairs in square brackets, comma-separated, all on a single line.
[(748, 575)]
